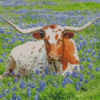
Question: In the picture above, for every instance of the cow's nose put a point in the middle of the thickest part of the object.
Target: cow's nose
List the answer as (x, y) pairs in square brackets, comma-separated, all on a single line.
[(52, 55)]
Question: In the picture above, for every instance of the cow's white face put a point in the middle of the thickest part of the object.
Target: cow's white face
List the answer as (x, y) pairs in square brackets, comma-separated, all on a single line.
[(53, 36)]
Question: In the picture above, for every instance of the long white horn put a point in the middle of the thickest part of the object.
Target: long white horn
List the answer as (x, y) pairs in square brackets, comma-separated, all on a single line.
[(24, 31), (79, 29)]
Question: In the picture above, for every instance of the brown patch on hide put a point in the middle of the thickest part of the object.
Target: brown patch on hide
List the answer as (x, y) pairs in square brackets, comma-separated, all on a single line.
[(53, 26), (44, 28)]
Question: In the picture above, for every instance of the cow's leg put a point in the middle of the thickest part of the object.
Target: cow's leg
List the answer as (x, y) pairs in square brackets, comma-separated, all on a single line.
[(10, 66)]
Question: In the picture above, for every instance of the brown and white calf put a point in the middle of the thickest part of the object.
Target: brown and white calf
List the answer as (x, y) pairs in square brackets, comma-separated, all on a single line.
[(55, 49)]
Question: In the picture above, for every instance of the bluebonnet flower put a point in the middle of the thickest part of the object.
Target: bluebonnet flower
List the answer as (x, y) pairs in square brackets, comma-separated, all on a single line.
[(94, 61), (66, 81), (33, 78), (81, 37), (97, 69), (63, 84), (86, 81), (74, 74), (15, 80), (81, 78), (70, 81), (8, 83), (7, 91), (18, 98), (89, 59), (77, 83), (23, 93), (88, 50), (77, 88), (87, 55), (46, 70), (53, 83), (88, 73), (37, 89), (3, 46), (0, 95), (84, 42), (83, 59), (79, 47), (75, 68), (36, 97), (39, 81), (14, 96), (92, 76), (18, 75), (5, 73), (33, 85), (76, 40), (1, 60), (43, 74), (21, 85), (44, 85), (37, 93), (67, 74), (41, 87), (90, 66), (54, 73), (80, 84), (28, 93), (12, 73), (37, 71), (4, 94), (81, 67)]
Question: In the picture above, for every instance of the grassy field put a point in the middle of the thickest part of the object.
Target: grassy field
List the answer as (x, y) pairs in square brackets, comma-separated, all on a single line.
[(45, 13)]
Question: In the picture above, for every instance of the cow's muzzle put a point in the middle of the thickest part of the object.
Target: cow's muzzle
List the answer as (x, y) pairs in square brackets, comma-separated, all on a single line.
[(53, 57)]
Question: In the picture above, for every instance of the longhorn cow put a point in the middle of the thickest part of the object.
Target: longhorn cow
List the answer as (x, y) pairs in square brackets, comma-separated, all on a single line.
[(55, 49)]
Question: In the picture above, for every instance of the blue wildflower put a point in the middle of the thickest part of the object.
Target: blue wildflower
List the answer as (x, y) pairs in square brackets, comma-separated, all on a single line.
[(63, 84), (77, 88), (14, 96), (46, 70), (37, 71), (86, 81)]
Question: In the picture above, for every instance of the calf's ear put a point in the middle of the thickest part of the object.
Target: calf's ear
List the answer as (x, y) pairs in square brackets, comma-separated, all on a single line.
[(38, 35), (68, 35)]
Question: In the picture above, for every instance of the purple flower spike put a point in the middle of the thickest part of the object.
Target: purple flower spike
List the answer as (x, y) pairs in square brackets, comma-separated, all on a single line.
[(46, 70), (18, 98), (36, 97), (63, 84), (86, 81), (97, 69), (14, 96), (0, 95), (43, 74), (77, 88), (37, 71)]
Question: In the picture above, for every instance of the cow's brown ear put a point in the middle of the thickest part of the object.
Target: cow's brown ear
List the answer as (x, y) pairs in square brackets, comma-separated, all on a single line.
[(68, 35), (38, 35)]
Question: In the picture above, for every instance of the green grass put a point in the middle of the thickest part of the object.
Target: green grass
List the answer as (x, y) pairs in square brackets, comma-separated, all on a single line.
[(89, 91)]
